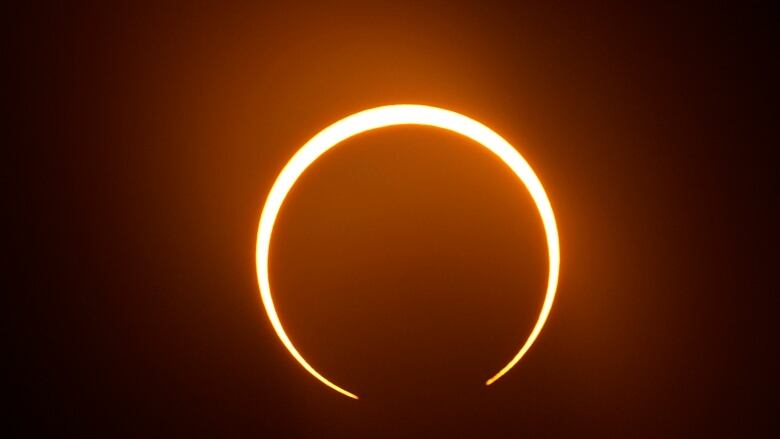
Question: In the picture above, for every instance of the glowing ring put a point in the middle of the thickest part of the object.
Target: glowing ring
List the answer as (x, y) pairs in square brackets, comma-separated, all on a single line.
[(389, 116)]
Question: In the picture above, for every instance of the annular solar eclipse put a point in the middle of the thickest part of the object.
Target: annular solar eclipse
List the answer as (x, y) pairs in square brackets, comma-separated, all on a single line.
[(387, 116)]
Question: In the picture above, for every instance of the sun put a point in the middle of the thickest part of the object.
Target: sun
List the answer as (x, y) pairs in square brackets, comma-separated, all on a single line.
[(386, 116)]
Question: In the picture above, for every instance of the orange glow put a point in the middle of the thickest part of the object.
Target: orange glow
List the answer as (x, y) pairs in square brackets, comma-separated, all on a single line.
[(402, 115)]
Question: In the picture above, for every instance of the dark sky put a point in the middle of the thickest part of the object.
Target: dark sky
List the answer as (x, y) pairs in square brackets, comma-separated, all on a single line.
[(407, 265)]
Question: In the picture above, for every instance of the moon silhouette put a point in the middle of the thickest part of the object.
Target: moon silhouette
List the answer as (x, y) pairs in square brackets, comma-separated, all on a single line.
[(386, 116)]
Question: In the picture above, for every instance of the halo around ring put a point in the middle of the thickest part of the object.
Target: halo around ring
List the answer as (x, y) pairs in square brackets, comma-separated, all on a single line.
[(386, 116)]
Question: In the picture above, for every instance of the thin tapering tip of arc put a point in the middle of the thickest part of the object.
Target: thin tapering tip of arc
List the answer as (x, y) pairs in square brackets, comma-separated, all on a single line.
[(389, 116)]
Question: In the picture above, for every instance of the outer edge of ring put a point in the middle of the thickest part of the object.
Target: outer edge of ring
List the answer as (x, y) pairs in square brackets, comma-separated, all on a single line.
[(385, 116)]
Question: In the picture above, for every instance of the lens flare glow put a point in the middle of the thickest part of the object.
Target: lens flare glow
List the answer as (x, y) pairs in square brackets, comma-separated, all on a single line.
[(384, 117)]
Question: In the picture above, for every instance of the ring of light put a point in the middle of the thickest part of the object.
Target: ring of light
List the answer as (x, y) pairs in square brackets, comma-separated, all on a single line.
[(402, 115)]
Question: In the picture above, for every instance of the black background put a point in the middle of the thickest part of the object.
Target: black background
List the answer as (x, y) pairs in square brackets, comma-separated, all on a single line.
[(407, 264)]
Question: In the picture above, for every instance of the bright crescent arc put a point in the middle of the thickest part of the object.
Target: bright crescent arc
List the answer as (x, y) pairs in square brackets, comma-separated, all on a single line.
[(386, 116)]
